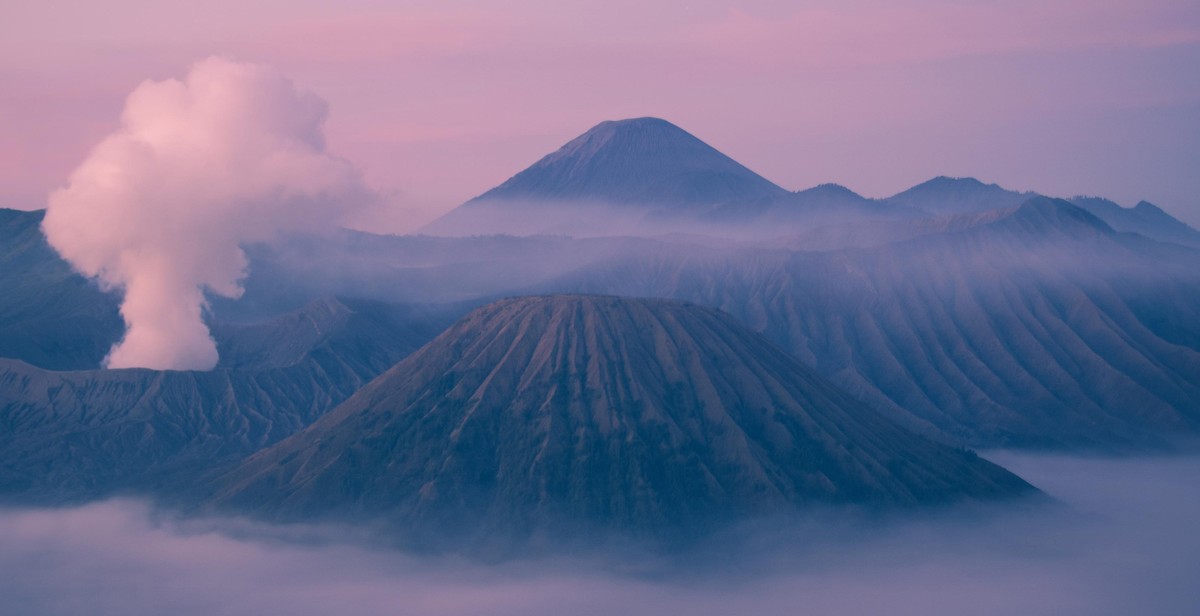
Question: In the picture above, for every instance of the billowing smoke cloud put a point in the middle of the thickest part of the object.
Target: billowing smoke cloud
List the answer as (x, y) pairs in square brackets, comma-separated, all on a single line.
[(232, 154)]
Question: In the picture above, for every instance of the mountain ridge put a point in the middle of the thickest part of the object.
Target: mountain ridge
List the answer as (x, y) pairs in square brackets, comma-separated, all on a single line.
[(1041, 328), (1145, 218), (956, 195), (89, 433), (646, 176)]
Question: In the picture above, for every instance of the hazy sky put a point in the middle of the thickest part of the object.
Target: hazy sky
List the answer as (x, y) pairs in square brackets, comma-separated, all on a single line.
[(440, 100)]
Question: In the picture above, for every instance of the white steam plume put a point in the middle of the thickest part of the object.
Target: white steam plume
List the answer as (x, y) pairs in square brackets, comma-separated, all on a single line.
[(233, 154)]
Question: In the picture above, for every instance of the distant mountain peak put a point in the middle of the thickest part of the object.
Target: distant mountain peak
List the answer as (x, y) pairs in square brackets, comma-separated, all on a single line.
[(946, 180), (604, 132), (639, 160), (832, 190), (958, 195)]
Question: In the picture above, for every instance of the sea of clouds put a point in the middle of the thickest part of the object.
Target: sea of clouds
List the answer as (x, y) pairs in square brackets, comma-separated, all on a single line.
[(1124, 543)]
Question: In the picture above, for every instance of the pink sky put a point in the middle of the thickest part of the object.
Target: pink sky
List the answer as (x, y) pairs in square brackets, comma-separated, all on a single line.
[(439, 101)]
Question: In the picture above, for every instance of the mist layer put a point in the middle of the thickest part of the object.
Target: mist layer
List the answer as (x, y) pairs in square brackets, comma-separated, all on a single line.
[(1124, 544)]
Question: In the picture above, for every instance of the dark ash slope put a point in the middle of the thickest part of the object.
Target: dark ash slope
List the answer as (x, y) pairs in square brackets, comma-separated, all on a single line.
[(1043, 328), (622, 414), (67, 436)]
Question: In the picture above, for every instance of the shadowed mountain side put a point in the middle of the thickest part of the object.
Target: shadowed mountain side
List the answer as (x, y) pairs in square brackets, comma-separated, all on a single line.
[(601, 412), (824, 217), (944, 195), (1042, 328), (818, 205), (75, 435), (49, 315), (813, 218), (365, 335), (55, 319), (1144, 218)]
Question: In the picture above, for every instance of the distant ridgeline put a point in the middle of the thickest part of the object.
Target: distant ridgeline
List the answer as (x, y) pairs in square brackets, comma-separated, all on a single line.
[(646, 176), (819, 349)]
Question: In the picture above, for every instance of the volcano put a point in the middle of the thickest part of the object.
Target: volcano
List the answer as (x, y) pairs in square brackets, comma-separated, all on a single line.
[(640, 160), (624, 168), (568, 412)]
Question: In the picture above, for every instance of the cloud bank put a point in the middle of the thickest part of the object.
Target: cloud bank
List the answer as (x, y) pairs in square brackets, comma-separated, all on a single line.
[(232, 154), (1127, 547)]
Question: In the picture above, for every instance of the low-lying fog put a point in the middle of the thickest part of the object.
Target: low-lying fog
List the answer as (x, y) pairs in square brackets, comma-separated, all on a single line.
[(1130, 546)]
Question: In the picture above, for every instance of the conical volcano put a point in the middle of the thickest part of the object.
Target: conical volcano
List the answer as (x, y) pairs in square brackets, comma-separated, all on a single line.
[(605, 412), (618, 168), (640, 160)]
